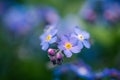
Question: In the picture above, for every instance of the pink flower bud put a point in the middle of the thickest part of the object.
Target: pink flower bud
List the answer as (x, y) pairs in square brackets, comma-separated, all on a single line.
[(59, 56), (53, 59), (51, 52)]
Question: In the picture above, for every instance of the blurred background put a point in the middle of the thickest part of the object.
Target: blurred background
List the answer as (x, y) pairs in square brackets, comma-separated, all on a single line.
[(23, 21)]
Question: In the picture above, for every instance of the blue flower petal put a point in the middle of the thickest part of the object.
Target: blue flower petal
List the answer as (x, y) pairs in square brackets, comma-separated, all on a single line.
[(73, 41), (64, 39), (42, 43), (86, 44), (68, 53), (43, 36), (80, 44), (86, 35), (61, 47), (73, 35), (53, 32), (77, 31), (54, 39), (76, 49), (45, 46)]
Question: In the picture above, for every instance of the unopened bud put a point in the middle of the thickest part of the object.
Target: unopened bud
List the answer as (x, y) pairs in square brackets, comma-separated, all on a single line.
[(53, 59), (59, 58), (51, 52)]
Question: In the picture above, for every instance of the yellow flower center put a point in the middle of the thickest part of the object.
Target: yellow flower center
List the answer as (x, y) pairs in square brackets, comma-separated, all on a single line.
[(48, 38), (80, 37), (68, 45)]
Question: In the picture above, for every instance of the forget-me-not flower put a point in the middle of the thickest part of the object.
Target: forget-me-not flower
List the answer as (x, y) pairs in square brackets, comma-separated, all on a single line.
[(48, 38), (82, 36), (69, 45)]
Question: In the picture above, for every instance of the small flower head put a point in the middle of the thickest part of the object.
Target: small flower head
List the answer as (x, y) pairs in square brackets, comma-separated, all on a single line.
[(51, 52), (82, 36), (48, 38), (59, 57), (68, 45), (53, 59), (49, 15)]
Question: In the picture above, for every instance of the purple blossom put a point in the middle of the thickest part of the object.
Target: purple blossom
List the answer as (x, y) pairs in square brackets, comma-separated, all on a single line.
[(27, 18), (82, 70), (49, 15), (111, 13), (82, 37), (48, 38), (68, 45), (87, 12)]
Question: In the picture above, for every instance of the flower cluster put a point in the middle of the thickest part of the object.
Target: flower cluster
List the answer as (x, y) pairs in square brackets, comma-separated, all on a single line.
[(67, 43), (101, 11), (87, 12), (28, 17), (49, 15), (112, 12), (80, 70)]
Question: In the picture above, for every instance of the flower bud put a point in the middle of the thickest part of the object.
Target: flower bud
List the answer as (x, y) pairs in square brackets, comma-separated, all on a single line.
[(53, 59), (51, 52), (59, 58)]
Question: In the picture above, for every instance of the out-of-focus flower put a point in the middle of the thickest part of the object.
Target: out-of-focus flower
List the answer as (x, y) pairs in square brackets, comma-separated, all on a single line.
[(101, 12), (69, 45), (49, 15), (87, 12), (48, 38), (84, 71), (110, 15), (98, 76), (112, 12), (21, 19), (82, 36), (113, 73), (90, 15), (79, 69)]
